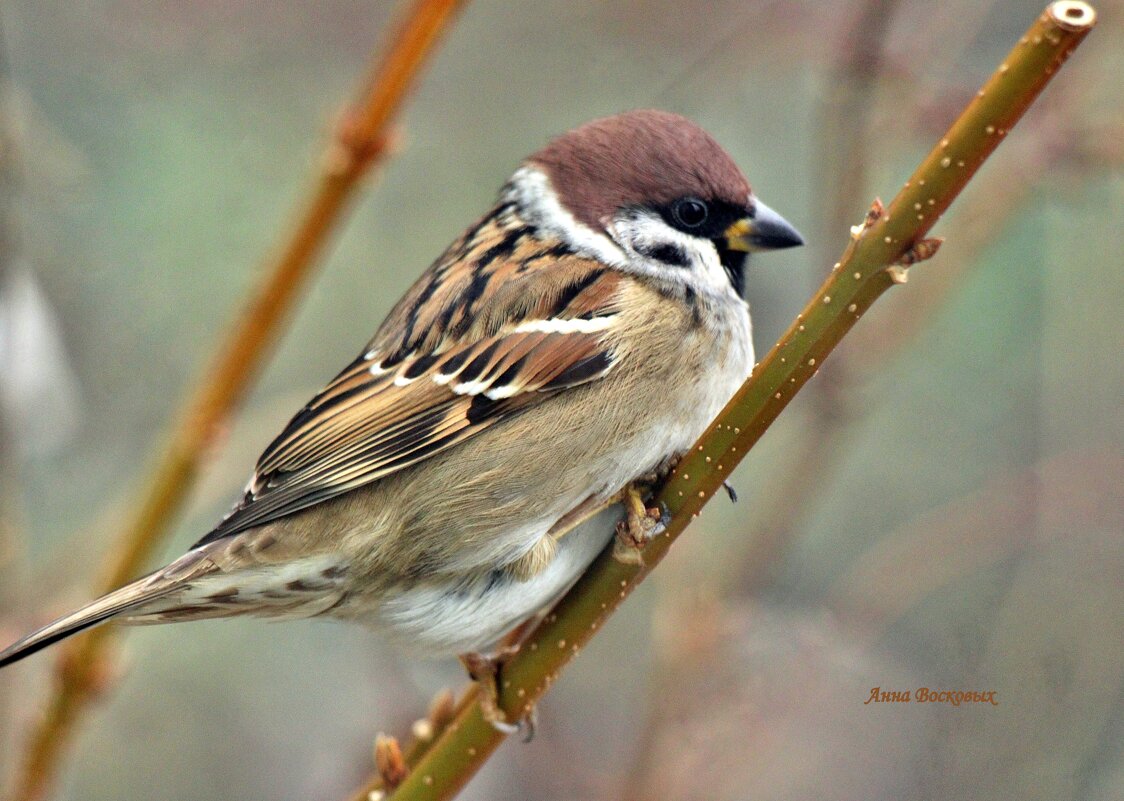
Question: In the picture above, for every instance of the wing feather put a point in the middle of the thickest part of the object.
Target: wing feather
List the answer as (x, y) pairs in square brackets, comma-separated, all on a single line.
[(395, 406)]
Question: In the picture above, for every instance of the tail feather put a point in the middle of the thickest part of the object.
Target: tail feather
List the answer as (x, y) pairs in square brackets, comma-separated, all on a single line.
[(135, 597), (92, 614), (204, 583)]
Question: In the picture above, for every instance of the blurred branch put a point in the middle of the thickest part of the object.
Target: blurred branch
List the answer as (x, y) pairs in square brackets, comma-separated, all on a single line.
[(845, 113), (971, 534), (979, 220), (875, 260), (951, 29), (845, 126), (360, 143), (12, 542), (12, 582)]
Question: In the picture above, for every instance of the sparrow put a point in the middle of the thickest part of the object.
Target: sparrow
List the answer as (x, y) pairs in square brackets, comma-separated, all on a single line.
[(582, 332)]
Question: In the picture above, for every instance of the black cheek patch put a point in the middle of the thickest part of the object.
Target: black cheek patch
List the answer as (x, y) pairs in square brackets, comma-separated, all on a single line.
[(665, 252)]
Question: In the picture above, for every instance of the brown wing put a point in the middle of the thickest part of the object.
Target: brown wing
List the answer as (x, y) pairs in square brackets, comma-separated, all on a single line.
[(417, 392)]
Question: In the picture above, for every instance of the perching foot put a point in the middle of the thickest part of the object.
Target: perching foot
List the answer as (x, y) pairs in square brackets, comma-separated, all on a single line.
[(485, 671), (641, 523)]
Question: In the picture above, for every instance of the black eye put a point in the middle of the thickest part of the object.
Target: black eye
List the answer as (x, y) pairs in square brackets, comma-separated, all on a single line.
[(690, 212)]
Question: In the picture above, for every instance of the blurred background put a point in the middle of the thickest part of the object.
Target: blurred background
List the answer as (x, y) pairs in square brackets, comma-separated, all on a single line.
[(943, 507)]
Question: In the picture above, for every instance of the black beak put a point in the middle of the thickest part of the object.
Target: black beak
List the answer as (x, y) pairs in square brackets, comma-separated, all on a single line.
[(765, 230)]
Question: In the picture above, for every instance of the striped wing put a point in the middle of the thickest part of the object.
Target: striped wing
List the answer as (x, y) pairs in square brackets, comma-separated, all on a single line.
[(396, 405)]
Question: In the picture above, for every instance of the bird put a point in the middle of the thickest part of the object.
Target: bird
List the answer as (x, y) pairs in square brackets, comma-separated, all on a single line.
[(577, 337)]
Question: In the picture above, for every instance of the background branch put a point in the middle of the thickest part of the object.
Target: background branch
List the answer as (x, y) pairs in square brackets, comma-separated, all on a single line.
[(12, 546), (1062, 135), (360, 143)]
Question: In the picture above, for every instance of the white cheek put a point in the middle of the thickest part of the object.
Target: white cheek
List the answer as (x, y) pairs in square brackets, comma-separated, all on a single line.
[(640, 232)]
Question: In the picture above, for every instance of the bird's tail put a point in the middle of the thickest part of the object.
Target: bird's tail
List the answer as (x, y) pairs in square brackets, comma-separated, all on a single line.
[(139, 597)]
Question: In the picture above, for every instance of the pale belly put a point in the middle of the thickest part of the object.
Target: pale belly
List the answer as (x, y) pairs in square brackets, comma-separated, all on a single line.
[(469, 614)]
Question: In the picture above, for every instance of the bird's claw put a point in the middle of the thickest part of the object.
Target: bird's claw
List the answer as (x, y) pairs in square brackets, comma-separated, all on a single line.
[(648, 481), (485, 671)]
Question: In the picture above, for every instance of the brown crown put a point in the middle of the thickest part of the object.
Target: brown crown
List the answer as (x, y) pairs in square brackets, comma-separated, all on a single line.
[(640, 157)]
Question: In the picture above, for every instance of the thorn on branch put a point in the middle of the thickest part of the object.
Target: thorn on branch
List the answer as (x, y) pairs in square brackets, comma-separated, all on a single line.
[(921, 251), (389, 762), (442, 709), (898, 273), (875, 213), (353, 149)]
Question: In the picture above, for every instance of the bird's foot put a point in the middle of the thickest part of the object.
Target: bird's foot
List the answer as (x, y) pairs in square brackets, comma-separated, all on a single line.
[(650, 480), (641, 523), (485, 671)]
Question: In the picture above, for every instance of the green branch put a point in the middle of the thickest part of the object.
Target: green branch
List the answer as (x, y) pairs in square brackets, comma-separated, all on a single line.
[(880, 251)]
